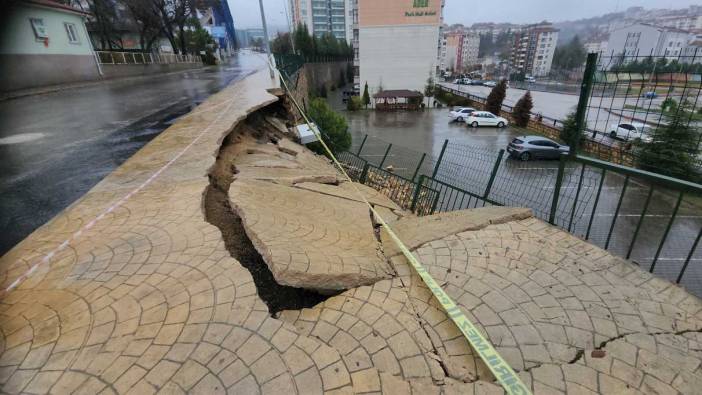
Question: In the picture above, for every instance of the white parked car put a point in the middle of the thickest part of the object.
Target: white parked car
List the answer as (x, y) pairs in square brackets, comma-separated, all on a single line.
[(484, 118), (490, 84), (461, 113), (630, 131)]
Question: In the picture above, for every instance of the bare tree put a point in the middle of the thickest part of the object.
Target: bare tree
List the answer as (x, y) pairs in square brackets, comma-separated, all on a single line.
[(174, 16), (146, 20)]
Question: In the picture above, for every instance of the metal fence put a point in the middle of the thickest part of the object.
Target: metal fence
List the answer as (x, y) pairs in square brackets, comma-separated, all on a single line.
[(644, 90), (111, 57), (654, 220)]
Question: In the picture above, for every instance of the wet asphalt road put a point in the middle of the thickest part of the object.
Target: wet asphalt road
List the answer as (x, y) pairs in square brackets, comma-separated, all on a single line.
[(471, 155), (56, 146)]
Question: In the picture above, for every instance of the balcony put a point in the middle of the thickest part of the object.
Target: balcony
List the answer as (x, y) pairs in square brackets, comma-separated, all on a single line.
[(356, 62)]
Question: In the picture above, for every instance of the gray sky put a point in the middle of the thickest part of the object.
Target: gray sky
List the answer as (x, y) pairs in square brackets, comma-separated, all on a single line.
[(246, 13)]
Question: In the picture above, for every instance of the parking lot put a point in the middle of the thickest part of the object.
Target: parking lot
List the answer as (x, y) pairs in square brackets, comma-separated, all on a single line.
[(471, 155)]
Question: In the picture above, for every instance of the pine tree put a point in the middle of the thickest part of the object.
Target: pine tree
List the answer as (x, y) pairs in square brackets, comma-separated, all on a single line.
[(522, 110), (342, 78), (672, 150), (366, 97), (429, 88), (349, 72), (569, 132), (496, 97)]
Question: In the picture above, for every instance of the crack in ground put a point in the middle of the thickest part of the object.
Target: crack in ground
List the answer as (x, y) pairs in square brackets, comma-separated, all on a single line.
[(219, 213)]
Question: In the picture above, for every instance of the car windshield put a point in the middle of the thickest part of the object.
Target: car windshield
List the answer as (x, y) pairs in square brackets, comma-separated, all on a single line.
[(517, 141)]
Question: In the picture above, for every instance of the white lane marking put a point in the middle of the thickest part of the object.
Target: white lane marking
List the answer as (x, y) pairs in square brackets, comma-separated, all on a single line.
[(117, 204)]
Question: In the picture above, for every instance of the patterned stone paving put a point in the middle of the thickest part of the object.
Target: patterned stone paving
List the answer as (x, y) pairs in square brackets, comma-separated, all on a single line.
[(149, 300)]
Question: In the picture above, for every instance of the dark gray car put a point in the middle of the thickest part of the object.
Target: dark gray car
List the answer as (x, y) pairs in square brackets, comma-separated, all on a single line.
[(535, 147)]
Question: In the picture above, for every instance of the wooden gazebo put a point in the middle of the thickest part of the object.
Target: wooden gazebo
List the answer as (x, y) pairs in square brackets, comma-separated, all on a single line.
[(400, 99)]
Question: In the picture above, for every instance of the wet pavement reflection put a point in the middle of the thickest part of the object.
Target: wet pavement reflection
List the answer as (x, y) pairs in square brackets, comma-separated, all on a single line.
[(56, 146)]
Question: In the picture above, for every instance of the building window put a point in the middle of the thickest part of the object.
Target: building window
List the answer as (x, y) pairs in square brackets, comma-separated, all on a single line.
[(72, 33), (39, 29)]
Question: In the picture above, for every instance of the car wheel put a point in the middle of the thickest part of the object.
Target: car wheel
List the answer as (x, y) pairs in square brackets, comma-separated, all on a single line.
[(459, 119), (613, 134), (501, 125), (474, 124), (525, 156)]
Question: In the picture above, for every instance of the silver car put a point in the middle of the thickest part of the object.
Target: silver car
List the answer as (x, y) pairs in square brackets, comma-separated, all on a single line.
[(535, 147)]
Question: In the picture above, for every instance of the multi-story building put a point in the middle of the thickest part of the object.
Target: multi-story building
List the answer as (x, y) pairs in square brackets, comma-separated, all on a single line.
[(459, 49), (533, 49), (643, 39), (397, 43), (324, 17)]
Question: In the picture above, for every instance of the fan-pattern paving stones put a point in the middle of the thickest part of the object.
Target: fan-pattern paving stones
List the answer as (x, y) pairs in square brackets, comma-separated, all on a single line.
[(309, 239), (148, 299)]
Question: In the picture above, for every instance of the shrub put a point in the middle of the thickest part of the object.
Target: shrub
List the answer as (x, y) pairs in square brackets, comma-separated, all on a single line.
[(332, 126), (496, 97), (570, 134), (354, 103), (522, 110)]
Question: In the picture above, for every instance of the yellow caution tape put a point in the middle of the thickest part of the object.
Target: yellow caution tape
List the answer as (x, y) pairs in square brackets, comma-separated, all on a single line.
[(504, 373)]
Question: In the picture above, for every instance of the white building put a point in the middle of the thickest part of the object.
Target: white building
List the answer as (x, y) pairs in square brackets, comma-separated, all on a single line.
[(471, 45), (324, 17), (533, 49), (643, 39), (398, 43), (596, 46)]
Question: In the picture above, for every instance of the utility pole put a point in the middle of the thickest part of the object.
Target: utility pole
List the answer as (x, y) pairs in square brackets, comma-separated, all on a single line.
[(266, 44), (290, 26)]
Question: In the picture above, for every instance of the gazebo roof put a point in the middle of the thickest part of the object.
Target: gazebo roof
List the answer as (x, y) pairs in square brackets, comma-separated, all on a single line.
[(397, 93)]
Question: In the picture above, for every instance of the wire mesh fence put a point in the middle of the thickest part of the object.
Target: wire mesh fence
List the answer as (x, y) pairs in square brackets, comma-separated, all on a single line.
[(633, 95)]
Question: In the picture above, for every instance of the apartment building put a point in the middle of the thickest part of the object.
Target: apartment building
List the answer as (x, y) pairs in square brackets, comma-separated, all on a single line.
[(324, 17), (459, 50), (645, 39), (397, 43), (533, 49)]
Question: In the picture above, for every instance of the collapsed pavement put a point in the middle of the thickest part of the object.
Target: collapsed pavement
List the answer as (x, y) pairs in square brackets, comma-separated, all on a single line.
[(248, 265)]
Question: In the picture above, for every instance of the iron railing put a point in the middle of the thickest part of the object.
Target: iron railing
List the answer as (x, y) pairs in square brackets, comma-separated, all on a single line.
[(635, 214), (112, 57)]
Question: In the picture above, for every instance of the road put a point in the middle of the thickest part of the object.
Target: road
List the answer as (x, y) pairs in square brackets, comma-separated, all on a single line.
[(57, 146), (470, 157)]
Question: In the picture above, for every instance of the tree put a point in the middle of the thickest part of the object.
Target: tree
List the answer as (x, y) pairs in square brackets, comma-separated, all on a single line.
[(365, 99), (672, 150), (522, 110), (349, 72), (570, 133), (354, 103), (104, 22), (146, 21), (281, 44), (570, 56), (496, 97), (429, 87), (332, 126)]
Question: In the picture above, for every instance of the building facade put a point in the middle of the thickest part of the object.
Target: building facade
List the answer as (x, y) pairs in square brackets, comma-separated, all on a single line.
[(459, 49), (397, 43), (533, 50), (324, 17), (643, 39), (44, 43)]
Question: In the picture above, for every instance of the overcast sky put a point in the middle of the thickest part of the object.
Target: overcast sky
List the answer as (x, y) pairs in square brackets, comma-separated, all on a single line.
[(246, 12)]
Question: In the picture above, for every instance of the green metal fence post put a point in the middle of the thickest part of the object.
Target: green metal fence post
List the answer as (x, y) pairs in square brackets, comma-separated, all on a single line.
[(387, 151), (419, 165), (495, 167), (585, 90), (362, 144), (441, 157), (557, 190), (416, 193)]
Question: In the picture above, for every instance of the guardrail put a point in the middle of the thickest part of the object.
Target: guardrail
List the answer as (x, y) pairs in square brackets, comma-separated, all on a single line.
[(112, 57)]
